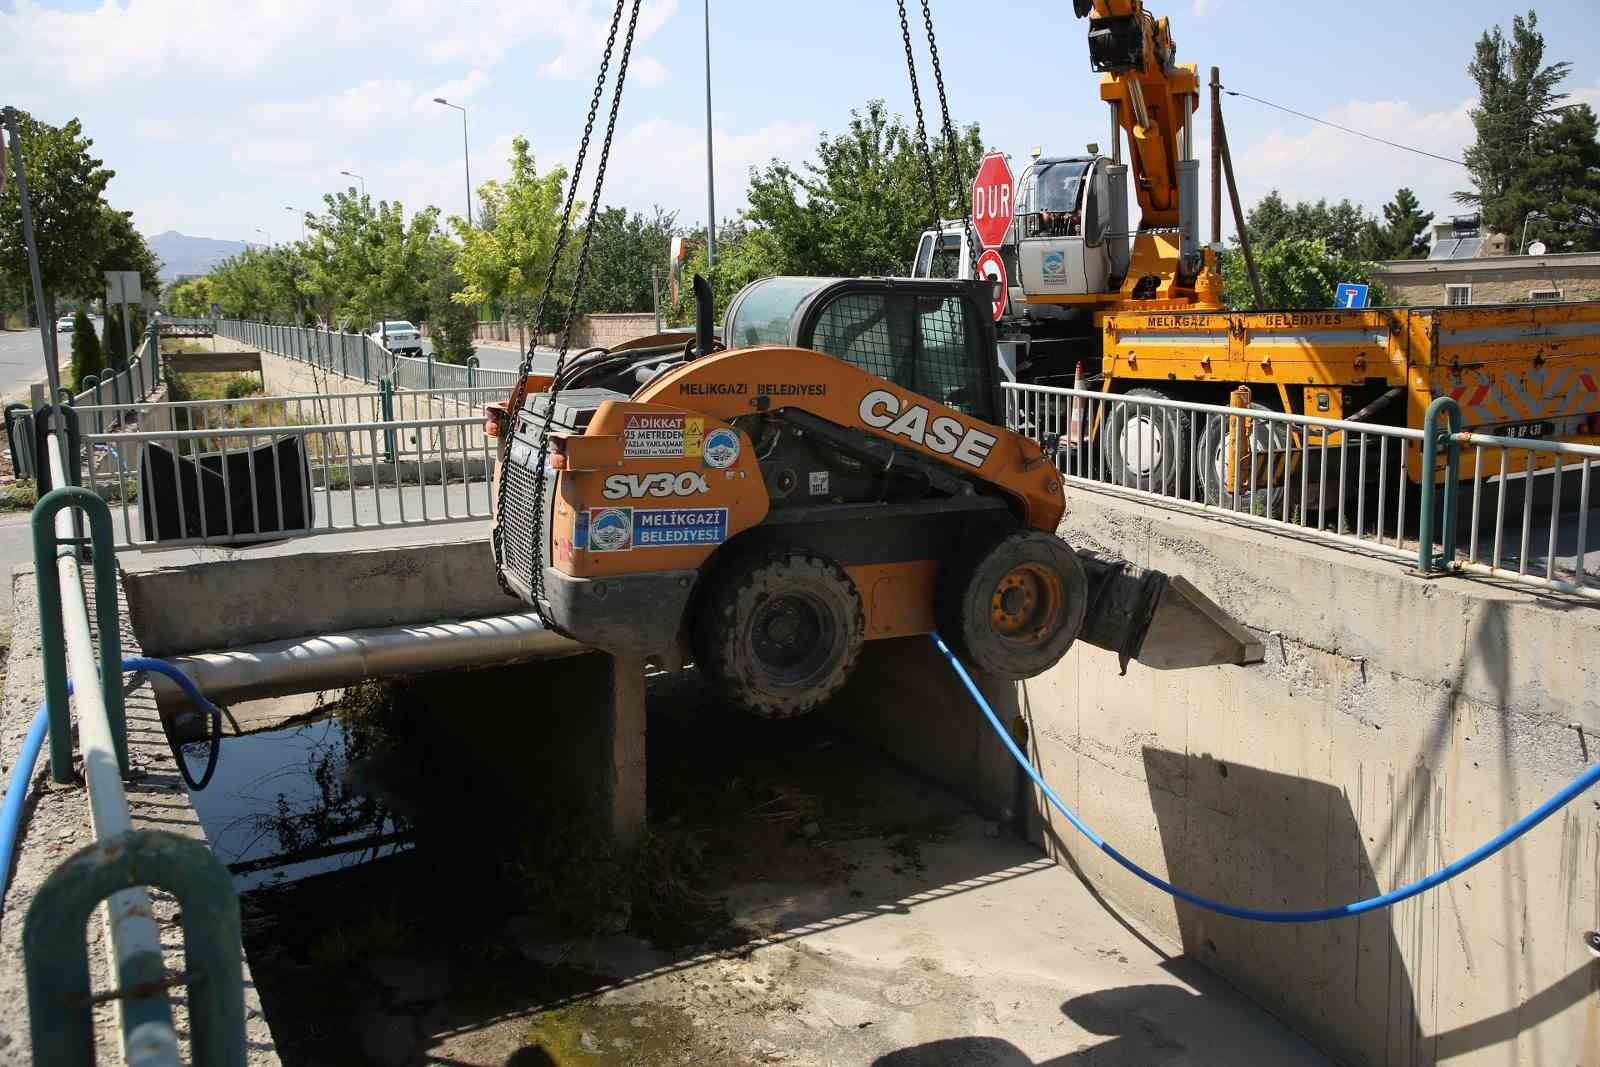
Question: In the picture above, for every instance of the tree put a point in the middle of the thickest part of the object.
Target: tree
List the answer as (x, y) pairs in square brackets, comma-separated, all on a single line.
[(1296, 273), (1404, 234), (624, 248), (1517, 95), (1345, 228), (504, 264), (450, 323), (861, 205), (65, 187), (122, 248), (1561, 181), (191, 299), (744, 254), (87, 356)]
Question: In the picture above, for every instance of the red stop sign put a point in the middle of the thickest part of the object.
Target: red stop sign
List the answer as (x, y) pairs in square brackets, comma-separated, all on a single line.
[(991, 200)]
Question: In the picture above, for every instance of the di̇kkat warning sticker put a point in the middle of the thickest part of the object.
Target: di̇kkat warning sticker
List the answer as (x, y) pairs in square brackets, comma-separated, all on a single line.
[(670, 435)]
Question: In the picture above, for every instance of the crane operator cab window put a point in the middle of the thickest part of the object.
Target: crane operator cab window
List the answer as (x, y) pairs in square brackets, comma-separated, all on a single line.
[(1051, 200)]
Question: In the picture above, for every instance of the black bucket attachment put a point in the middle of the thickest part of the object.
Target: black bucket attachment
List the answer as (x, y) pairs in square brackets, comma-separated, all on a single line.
[(1161, 620)]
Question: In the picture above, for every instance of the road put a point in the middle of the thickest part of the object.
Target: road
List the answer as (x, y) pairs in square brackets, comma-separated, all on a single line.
[(22, 358), (494, 358)]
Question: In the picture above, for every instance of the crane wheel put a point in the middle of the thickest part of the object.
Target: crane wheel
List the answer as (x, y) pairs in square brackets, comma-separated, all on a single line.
[(1014, 609), (780, 632), (1144, 446), (1267, 454)]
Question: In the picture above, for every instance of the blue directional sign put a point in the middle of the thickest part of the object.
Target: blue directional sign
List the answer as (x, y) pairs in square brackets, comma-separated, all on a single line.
[(1350, 295)]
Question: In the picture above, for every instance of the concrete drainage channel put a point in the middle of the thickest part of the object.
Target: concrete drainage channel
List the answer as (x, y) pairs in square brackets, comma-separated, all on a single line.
[(433, 869)]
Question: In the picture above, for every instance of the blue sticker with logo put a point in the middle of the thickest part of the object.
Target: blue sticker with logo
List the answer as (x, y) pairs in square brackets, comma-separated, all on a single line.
[(1055, 265), (721, 449), (624, 529)]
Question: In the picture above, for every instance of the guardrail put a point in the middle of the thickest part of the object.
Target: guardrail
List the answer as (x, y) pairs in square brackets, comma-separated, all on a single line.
[(361, 357), (1355, 484), (117, 867)]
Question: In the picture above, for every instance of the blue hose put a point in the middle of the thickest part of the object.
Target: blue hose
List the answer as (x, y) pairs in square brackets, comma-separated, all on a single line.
[(1583, 782), (17, 783)]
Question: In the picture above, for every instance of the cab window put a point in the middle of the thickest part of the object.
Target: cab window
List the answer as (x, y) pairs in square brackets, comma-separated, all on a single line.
[(921, 343)]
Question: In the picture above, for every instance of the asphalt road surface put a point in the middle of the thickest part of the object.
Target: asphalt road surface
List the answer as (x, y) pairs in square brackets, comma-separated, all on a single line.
[(22, 357)]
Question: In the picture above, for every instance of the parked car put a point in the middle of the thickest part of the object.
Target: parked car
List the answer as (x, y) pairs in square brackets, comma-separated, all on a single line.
[(64, 324), (399, 336)]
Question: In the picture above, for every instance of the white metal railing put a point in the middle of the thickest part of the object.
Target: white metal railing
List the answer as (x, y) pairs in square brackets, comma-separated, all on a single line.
[(1351, 483), (1512, 467), (361, 357), (232, 484)]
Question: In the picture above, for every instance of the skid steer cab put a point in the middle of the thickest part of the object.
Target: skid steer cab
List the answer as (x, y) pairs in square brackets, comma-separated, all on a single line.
[(838, 474)]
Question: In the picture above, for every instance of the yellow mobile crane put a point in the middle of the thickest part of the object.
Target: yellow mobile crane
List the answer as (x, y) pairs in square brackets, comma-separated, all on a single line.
[(1145, 318)]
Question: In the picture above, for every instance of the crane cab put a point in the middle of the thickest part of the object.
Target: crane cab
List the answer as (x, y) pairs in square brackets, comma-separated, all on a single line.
[(1067, 229)]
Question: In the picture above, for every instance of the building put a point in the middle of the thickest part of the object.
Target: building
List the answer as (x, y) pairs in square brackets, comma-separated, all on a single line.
[(1468, 265), (1492, 279)]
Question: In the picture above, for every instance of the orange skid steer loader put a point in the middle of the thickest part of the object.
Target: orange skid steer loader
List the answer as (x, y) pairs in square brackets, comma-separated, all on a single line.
[(834, 476)]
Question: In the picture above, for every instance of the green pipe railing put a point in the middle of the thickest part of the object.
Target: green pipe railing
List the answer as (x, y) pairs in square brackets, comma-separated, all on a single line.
[(1434, 501)]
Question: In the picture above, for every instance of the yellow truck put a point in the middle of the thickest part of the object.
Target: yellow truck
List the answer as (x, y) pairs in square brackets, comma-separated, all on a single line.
[(1517, 370)]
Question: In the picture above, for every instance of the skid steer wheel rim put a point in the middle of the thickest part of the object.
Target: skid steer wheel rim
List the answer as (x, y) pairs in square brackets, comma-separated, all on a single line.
[(1026, 604), (792, 636)]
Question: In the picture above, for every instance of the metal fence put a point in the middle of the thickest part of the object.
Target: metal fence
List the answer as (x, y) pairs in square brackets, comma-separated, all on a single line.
[(121, 862), (1351, 483), (361, 357), (228, 479)]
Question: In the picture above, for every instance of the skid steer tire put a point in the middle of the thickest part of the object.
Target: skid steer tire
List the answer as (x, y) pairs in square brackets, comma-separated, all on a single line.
[(780, 632), (1015, 608)]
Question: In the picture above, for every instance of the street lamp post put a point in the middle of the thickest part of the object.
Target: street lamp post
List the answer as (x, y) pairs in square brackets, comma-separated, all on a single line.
[(291, 210), (466, 155), (265, 234), (358, 178)]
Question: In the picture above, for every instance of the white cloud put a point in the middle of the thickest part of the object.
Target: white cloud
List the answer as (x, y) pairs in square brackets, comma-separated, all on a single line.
[(1202, 8), (1306, 161)]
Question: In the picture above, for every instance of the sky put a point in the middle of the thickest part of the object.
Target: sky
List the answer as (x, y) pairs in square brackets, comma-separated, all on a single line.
[(229, 118)]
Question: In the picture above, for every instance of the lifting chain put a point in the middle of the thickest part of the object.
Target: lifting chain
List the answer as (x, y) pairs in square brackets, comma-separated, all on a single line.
[(952, 146), (922, 129), (519, 390)]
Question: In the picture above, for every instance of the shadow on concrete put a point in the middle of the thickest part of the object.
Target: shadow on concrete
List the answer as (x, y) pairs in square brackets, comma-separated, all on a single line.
[(1134, 1026), (1257, 838)]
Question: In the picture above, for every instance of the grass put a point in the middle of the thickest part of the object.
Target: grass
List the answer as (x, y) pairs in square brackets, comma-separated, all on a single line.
[(19, 496), (211, 386)]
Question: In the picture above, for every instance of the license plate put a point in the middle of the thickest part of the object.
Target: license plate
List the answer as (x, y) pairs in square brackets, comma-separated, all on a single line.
[(1532, 430)]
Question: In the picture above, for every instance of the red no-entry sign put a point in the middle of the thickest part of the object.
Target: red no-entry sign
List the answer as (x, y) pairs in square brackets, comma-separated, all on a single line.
[(991, 266), (991, 200)]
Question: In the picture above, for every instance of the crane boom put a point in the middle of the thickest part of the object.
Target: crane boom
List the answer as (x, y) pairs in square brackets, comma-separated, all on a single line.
[(1153, 99)]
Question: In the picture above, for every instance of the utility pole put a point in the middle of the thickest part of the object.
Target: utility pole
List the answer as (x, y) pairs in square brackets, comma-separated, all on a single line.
[(711, 181)]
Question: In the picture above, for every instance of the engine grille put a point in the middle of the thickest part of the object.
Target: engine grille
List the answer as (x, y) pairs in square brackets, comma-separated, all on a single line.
[(517, 538)]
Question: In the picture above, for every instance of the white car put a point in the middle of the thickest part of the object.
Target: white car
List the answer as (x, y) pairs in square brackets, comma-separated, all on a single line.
[(64, 324), (399, 336)]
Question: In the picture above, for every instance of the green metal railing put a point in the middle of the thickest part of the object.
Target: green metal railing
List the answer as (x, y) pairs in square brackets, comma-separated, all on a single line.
[(1439, 500), (121, 862)]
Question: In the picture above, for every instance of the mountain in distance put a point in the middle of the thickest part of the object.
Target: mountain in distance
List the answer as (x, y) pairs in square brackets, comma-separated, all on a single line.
[(182, 254)]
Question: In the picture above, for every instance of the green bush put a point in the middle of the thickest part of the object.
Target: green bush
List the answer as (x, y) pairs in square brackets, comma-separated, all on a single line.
[(87, 356), (241, 386)]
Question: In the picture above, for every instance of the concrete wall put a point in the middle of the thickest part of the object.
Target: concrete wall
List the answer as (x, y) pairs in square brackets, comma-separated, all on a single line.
[(1396, 724), (271, 598)]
